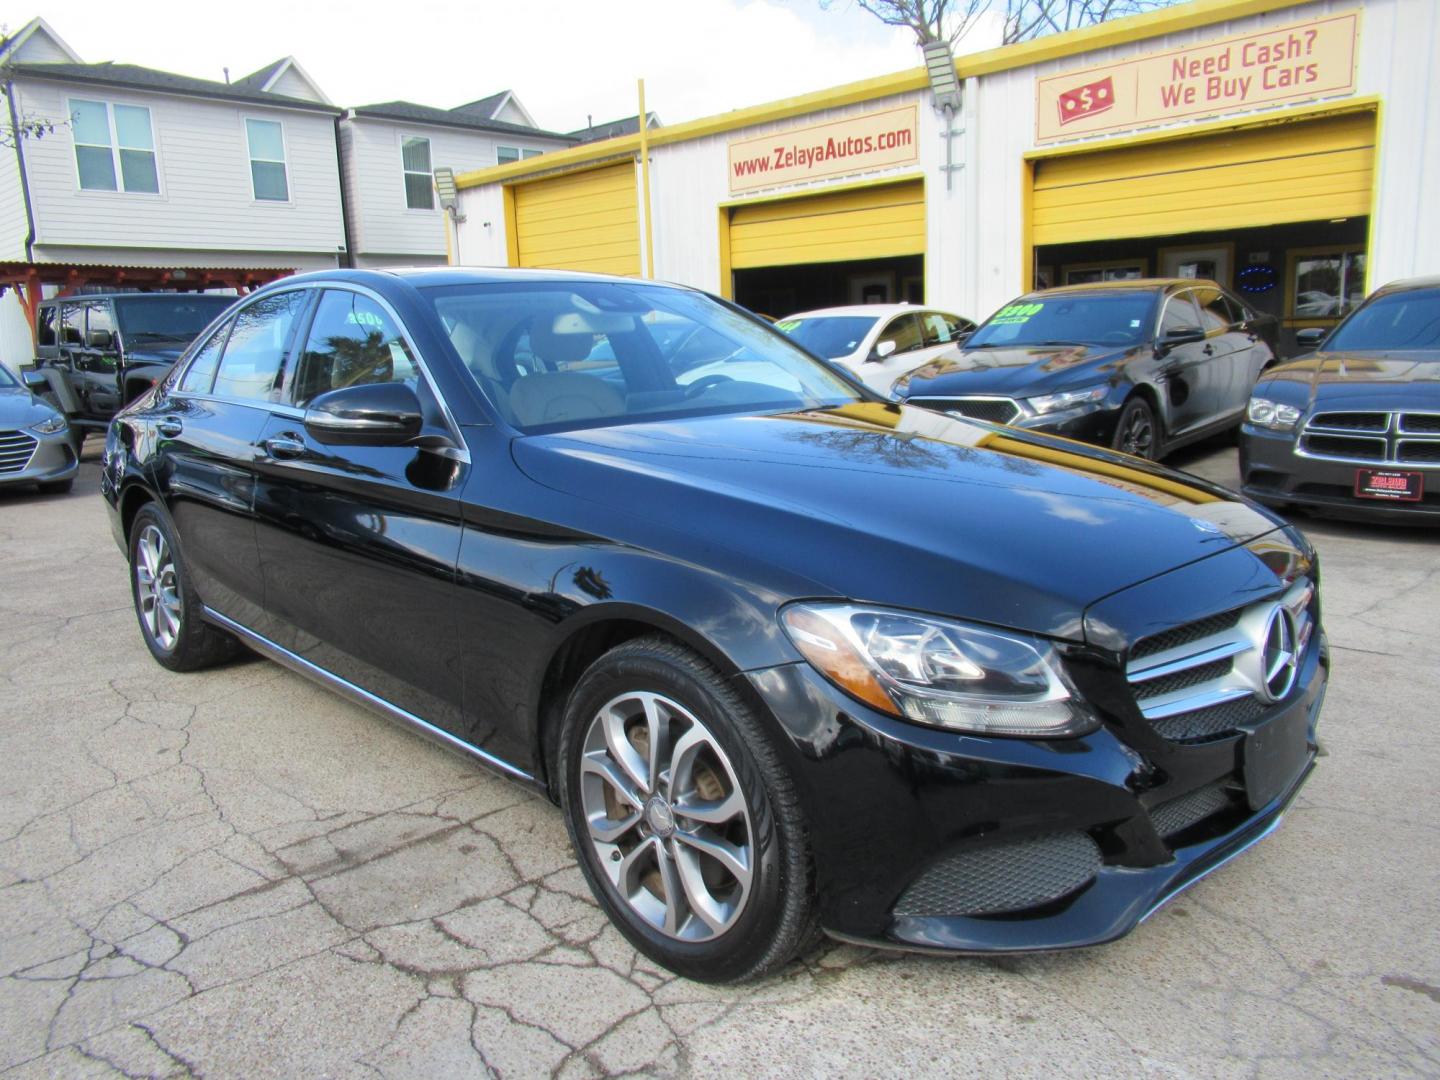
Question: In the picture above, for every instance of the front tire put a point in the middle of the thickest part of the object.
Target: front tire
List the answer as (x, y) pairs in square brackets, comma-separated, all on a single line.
[(686, 825), (165, 601), (1137, 432)]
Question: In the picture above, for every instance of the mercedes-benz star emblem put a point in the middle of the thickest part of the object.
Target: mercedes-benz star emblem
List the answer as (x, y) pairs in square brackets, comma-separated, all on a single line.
[(1280, 659)]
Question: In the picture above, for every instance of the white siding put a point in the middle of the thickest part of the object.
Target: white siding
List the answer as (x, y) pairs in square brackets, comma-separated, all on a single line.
[(293, 84), (205, 201), (380, 222), (39, 49), (512, 115), (16, 345), (12, 206)]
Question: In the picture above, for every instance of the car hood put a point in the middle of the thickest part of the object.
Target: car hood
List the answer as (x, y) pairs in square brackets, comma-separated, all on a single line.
[(1364, 380), (1013, 372), (901, 506), (19, 408)]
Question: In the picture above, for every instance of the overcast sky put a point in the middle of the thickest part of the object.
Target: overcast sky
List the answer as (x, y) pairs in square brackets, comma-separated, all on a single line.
[(566, 59)]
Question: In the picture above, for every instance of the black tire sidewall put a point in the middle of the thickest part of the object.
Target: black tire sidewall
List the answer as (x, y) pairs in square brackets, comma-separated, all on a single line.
[(178, 657), (1134, 405), (737, 952)]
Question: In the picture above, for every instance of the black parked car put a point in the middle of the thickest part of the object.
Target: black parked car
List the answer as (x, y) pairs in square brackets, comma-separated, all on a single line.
[(787, 654), (1144, 366), (1353, 429), (100, 351)]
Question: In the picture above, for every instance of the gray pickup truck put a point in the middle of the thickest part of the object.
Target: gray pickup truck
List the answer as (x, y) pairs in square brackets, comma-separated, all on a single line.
[(98, 353)]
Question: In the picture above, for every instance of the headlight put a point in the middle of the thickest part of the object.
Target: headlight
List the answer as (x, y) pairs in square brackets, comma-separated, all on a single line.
[(1267, 413), (938, 672), (1068, 399), (50, 425)]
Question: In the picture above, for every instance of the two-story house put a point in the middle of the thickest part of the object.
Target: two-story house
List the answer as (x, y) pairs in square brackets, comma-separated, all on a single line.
[(151, 179), (389, 152)]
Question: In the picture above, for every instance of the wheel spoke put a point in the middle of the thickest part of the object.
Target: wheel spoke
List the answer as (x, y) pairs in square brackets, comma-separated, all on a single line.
[(682, 759), (605, 830), (656, 728), (675, 892), (598, 763), (712, 912), (711, 811), (732, 858), (621, 751)]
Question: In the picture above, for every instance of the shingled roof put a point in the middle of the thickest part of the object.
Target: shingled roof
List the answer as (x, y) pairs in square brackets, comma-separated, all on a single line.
[(461, 118), (133, 76)]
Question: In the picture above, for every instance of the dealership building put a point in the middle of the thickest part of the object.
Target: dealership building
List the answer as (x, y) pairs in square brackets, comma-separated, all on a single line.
[(1289, 150)]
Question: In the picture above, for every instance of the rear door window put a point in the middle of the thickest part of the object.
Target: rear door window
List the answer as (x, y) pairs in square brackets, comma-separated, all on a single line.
[(45, 325), (905, 332), (72, 325), (201, 371), (1216, 315), (254, 356)]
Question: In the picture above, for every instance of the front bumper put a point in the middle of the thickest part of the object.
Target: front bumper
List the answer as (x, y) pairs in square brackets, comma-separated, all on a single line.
[(1085, 423), (53, 460), (1272, 472), (890, 803)]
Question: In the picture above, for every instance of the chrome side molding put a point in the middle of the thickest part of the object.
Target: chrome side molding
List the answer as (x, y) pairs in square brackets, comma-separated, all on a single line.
[(361, 696)]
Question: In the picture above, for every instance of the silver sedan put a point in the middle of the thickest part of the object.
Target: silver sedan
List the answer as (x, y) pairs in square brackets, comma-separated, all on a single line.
[(36, 444)]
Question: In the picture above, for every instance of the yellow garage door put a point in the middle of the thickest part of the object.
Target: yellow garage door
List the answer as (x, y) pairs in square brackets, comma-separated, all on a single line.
[(869, 223), (583, 221), (1306, 171)]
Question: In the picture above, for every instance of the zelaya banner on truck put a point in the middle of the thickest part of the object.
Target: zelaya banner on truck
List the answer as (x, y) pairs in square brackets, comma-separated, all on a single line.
[(849, 145), (1297, 62)]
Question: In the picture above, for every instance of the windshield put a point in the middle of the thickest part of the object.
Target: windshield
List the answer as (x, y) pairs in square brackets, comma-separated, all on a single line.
[(1400, 320), (177, 318), (1118, 318), (829, 336), (557, 355)]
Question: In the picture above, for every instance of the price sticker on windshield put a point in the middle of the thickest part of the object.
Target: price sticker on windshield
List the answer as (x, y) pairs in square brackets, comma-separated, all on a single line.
[(788, 325), (1016, 313)]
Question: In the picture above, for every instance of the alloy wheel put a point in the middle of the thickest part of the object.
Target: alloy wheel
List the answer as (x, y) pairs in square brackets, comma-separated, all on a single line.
[(157, 590), (666, 816), (1138, 435)]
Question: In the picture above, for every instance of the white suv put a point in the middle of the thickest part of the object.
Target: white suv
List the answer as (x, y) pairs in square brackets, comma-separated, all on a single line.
[(878, 343)]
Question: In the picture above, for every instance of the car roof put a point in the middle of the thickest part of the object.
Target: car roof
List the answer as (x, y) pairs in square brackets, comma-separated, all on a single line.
[(873, 310), (140, 296), (1428, 281), (1129, 285), (424, 276)]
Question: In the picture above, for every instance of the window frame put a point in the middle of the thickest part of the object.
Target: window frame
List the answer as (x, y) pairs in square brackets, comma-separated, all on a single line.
[(1293, 258), (1188, 293), (507, 160), (114, 147), (280, 396), (251, 159), (405, 173)]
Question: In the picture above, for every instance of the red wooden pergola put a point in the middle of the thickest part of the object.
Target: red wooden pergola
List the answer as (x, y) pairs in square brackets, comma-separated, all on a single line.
[(27, 279)]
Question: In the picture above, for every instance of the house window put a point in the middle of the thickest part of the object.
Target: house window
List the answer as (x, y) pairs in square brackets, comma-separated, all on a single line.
[(1326, 283), (415, 160), (531, 153), (267, 160), (506, 154), (114, 147)]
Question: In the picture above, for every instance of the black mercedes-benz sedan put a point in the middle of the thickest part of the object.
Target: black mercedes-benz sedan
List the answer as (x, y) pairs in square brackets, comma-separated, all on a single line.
[(1353, 429), (789, 656), (1145, 366)]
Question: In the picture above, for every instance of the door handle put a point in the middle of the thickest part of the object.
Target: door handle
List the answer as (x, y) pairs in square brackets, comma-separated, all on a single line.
[(170, 426), (1209, 350), (285, 446)]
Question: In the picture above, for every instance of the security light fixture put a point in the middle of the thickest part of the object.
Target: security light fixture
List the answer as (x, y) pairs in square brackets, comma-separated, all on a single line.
[(445, 188), (940, 66)]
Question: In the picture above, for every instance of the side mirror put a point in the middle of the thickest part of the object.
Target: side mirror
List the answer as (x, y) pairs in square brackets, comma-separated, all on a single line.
[(1180, 335), (100, 339), (1310, 337), (35, 380), (880, 352), (375, 414)]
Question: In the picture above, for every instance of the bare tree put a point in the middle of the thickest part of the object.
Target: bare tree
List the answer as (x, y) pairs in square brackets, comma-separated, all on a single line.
[(948, 20), (16, 126)]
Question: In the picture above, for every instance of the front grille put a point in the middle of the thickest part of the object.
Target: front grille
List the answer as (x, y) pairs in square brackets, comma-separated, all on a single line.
[(1420, 453), (1420, 423), (1352, 421), (1199, 680), (1379, 437), (991, 410), (1177, 815), (1003, 877), (1349, 447), (16, 450)]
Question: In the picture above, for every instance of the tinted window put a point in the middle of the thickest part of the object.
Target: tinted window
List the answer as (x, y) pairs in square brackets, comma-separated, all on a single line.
[(904, 332), (201, 372), (1215, 312), (1400, 320), (99, 318), (45, 324), (177, 318), (940, 329), (829, 336), (1179, 314), (1108, 318), (552, 355), (72, 323), (254, 355), (352, 342)]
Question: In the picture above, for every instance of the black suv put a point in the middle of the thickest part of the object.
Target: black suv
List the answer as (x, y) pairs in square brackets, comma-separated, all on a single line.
[(101, 352)]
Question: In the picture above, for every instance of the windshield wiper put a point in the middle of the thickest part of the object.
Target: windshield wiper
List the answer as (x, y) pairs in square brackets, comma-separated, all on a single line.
[(1057, 341)]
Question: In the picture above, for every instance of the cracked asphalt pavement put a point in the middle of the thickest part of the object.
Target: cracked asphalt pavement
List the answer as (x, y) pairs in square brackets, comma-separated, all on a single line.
[(236, 873)]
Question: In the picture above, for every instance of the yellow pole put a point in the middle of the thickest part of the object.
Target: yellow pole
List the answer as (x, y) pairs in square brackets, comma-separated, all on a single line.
[(645, 186)]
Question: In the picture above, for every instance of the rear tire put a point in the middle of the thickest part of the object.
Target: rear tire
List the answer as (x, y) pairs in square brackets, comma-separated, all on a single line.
[(686, 825), (166, 604), (1137, 432)]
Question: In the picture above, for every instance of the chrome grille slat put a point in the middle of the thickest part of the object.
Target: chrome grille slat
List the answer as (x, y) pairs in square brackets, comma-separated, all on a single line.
[(1417, 423), (1372, 438), (16, 450)]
